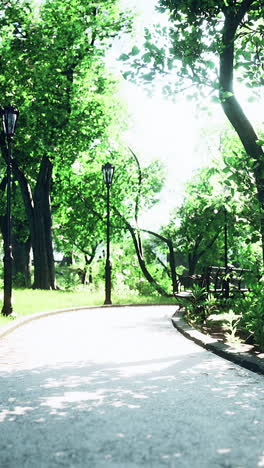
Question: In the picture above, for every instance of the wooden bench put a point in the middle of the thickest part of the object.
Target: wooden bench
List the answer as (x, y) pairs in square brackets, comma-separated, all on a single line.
[(221, 282), (225, 281), (188, 281)]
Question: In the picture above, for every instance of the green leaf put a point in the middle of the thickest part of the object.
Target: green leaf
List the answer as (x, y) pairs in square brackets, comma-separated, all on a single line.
[(210, 64), (123, 57), (147, 57), (135, 50), (215, 99), (148, 76), (247, 55)]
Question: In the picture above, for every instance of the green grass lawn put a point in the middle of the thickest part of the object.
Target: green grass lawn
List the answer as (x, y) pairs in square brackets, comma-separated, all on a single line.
[(28, 301)]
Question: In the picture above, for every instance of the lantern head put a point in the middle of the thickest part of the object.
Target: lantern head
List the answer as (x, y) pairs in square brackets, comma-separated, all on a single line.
[(108, 173), (9, 116)]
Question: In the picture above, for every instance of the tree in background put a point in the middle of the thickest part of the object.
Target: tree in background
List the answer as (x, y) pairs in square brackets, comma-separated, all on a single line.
[(197, 224), (221, 197), (80, 212)]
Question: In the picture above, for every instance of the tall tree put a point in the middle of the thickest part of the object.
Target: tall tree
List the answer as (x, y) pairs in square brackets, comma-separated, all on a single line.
[(207, 45), (52, 69)]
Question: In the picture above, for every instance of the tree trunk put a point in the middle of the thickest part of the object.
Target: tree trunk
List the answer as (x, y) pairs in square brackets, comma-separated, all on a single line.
[(142, 265), (38, 211), (192, 263), (233, 110), (173, 275), (44, 269), (21, 263), (20, 257), (141, 261)]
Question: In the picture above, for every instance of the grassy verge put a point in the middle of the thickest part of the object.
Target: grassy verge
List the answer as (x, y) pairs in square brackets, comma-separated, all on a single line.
[(28, 301)]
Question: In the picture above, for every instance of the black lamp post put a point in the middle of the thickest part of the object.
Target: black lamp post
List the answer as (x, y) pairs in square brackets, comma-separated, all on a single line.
[(226, 280), (108, 173), (226, 240), (9, 116)]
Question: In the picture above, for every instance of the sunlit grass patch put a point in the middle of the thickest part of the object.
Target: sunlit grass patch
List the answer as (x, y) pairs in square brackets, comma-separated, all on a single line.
[(28, 301)]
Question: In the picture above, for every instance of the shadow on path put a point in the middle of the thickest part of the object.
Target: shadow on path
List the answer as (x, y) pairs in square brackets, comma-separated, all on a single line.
[(188, 411), (121, 388)]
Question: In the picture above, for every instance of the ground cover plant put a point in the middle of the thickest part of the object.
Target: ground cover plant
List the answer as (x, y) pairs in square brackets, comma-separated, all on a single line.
[(240, 318)]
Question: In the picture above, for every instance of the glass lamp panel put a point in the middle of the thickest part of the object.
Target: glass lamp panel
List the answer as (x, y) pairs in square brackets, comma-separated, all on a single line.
[(10, 115), (108, 173)]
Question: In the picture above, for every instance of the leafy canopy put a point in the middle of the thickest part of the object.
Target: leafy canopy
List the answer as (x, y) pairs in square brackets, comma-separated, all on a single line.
[(186, 51)]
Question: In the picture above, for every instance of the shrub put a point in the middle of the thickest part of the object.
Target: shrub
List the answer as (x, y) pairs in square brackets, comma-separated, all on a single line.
[(195, 305), (251, 308)]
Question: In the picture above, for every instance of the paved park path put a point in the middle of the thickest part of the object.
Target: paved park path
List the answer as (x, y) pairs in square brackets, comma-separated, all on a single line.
[(121, 388)]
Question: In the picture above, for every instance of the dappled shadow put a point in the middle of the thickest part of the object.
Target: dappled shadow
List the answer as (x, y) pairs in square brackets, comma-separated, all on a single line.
[(189, 411)]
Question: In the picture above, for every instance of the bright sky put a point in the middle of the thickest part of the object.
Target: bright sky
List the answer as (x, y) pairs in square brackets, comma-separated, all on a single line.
[(170, 132)]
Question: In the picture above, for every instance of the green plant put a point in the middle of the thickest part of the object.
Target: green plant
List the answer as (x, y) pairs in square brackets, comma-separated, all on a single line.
[(67, 278), (231, 322), (211, 304), (195, 304), (252, 309)]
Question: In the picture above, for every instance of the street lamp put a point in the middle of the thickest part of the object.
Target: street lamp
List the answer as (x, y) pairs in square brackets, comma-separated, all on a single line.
[(9, 116), (225, 239), (108, 173)]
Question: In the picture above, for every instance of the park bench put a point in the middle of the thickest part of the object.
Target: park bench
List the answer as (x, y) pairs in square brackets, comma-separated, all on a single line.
[(222, 282), (226, 281), (185, 282)]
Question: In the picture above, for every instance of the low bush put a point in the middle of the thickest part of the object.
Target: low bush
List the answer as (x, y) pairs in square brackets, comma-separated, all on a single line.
[(198, 307), (251, 308)]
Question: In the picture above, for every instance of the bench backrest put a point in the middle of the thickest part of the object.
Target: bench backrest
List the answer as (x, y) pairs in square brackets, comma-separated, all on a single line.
[(221, 279)]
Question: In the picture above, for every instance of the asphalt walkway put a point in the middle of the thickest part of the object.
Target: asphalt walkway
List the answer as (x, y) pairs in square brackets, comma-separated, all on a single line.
[(121, 388)]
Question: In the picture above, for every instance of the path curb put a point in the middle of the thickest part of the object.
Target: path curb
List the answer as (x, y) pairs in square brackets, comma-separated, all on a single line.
[(224, 350)]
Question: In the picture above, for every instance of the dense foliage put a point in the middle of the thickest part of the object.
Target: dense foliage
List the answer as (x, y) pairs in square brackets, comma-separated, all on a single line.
[(204, 48), (52, 68), (219, 215)]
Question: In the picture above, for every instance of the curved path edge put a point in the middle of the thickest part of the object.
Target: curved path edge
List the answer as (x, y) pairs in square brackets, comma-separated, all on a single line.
[(231, 353), (18, 322), (225, 350)]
